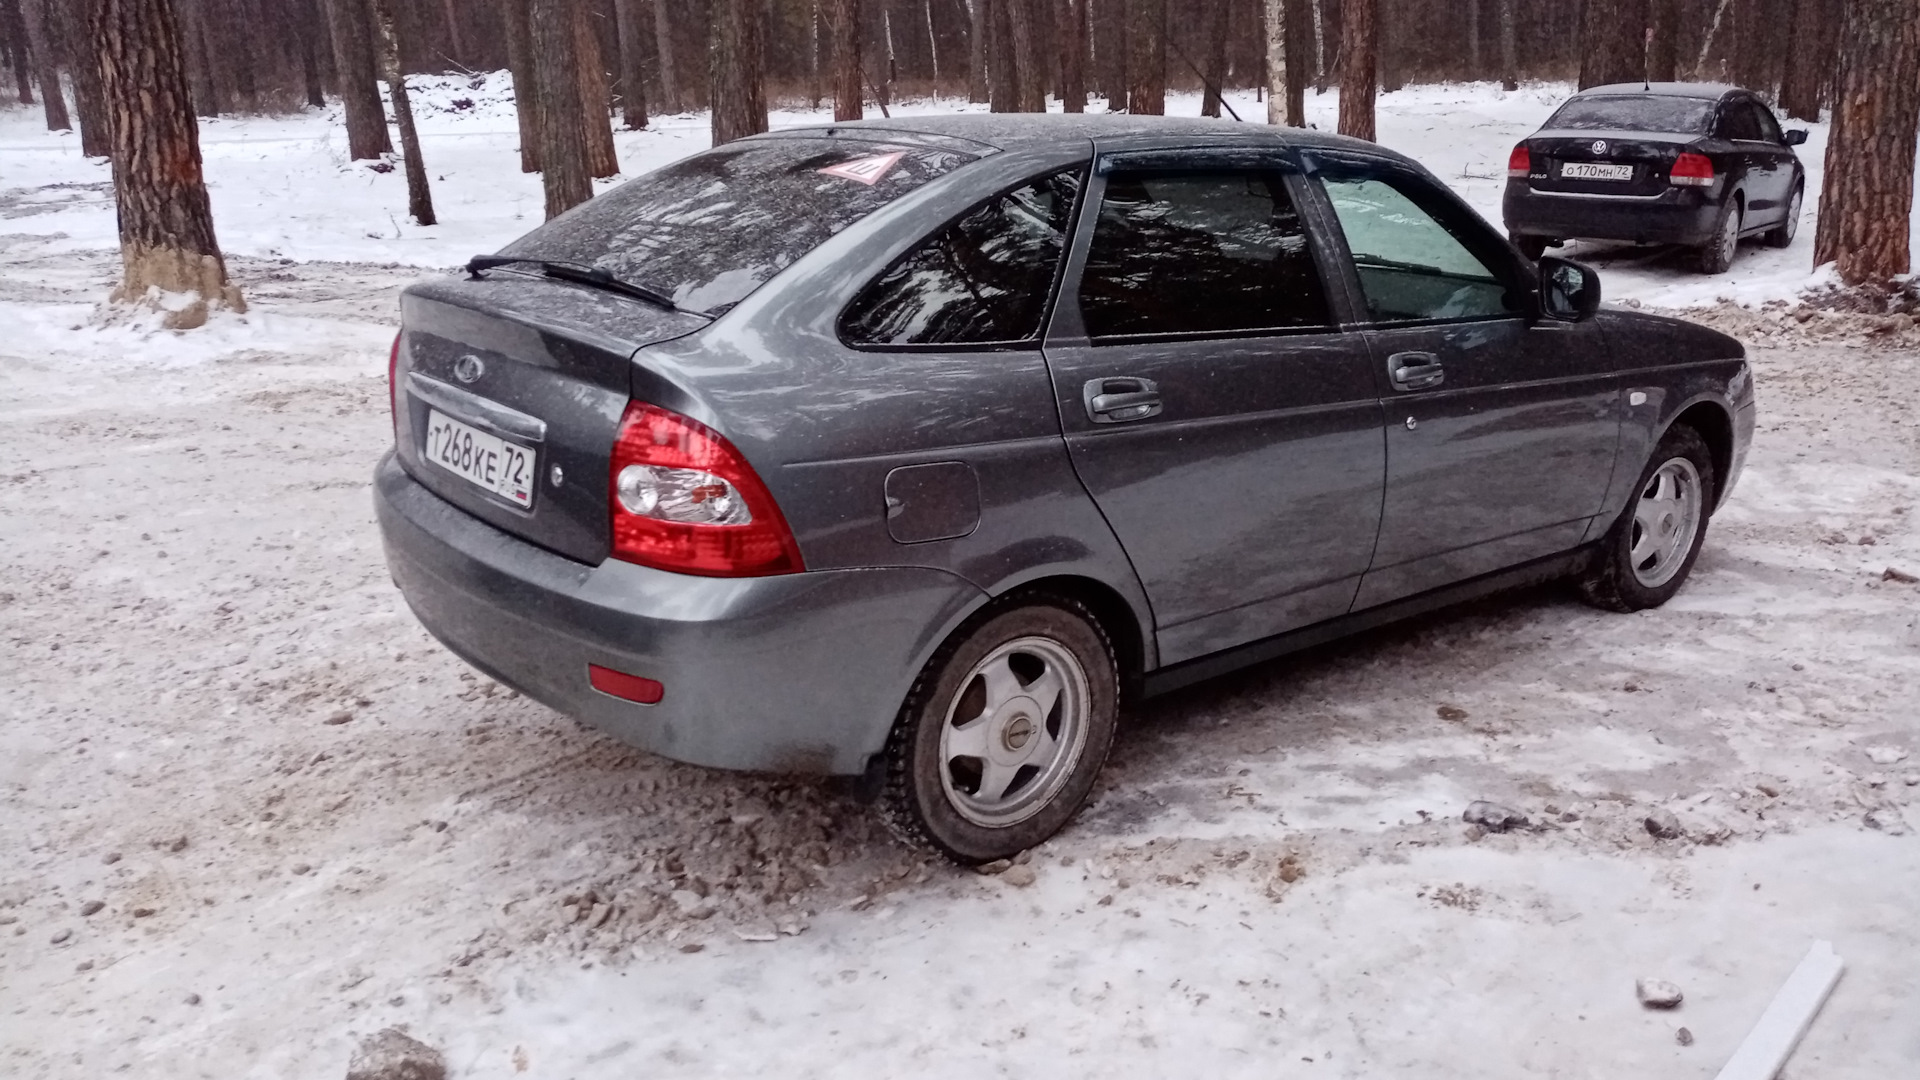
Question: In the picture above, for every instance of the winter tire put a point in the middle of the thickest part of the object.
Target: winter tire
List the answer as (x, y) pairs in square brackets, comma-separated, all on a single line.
[(1004, 733), (1650, 550), (1718, 253), (1782, 235)]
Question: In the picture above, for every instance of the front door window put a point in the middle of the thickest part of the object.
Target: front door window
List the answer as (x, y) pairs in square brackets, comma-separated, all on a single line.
[(1413, 267)]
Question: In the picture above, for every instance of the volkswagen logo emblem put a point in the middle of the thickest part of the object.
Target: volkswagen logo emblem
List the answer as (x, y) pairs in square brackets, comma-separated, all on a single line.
[(468, 368), (1599, 146)]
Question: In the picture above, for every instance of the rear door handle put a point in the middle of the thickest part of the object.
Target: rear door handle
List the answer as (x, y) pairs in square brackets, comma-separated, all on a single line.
[(1118, 399), (1415, 370)]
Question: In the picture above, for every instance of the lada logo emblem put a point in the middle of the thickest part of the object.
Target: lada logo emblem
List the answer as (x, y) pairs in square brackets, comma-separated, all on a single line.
[(468, 368), (1599, 146)]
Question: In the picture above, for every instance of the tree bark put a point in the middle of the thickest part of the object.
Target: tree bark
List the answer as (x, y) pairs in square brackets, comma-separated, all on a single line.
[(1867, 198), (1003, 80), (352, 32), (419, 198), (1613, 42), (1803, 87), (1359, 54), (1663, 33), (166, 222), (849, 95), (45, 65), (596, 131), (1509, 59), (1030, 81), (309, 31), (1147, 57), (670, 100), (1073, 55), (18, 52), (978, 14), (95, 140), (1109, 38), (1275, 23), (1299, 59), (737, 69), (526, 81), (1473, 38), (633, 74), (562, 131)]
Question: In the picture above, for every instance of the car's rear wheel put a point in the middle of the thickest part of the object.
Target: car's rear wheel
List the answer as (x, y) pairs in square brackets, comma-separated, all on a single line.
[(1531, 246), (1649, 552), (1718, 253), (1782, 235), (1004, 733)]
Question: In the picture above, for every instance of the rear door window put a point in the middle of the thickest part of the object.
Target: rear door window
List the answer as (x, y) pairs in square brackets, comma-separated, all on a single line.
[(1417, 258), (984, 279), (1199, 253), (709, 230), (1763, 120), (1738, 122)]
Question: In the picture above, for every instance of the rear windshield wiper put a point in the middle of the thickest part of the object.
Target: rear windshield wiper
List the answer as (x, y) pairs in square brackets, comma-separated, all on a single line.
[(583, 274)]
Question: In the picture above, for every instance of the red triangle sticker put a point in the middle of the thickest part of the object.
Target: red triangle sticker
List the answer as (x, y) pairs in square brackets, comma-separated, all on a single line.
[(867, 170)]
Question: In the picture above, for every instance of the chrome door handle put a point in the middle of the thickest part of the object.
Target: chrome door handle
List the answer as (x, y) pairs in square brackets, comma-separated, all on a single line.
[(1415, 370), (1119, 399)]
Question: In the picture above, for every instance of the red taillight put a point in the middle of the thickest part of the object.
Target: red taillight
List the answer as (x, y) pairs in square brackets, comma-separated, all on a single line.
[(1692, 170), (683, 499), (622, 685), (393, 385), (1520, 162)]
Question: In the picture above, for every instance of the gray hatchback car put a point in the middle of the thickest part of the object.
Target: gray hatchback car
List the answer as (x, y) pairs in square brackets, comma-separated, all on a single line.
[(912, 450)]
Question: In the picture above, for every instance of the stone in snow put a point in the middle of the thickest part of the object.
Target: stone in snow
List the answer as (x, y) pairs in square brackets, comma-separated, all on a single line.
[(394, 1055), (1664, 826), (1886, 755), (1493, 817), (1657, 993), (1020, 875)]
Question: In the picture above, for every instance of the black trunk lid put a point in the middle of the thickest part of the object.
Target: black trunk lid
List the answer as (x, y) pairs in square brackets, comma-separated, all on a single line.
[(1649, 155)]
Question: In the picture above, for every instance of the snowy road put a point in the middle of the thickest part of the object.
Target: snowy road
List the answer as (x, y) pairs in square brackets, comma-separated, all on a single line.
[(305, 821)]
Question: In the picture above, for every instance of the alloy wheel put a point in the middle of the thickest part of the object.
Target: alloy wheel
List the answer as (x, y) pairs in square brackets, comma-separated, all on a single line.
[(1664, 522), (1014, 731)]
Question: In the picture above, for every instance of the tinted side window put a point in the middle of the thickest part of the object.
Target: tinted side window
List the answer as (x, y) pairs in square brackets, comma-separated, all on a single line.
[(1769, 127), (985, 278), (1198, 253), (1737, 122), (1413, 264)]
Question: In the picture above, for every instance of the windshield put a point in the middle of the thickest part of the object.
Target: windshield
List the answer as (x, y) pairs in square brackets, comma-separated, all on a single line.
[(709, 230), (1678, 115)]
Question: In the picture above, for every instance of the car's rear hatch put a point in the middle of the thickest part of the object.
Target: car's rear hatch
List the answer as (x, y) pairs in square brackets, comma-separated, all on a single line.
[(1621, 163), (542, 365)]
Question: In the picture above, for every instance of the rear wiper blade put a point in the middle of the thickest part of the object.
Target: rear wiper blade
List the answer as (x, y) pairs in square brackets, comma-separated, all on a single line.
[(585, 275)]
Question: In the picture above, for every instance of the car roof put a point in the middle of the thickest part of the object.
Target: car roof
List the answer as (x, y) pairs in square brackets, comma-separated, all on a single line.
[(1709, 91), (1026, 131)]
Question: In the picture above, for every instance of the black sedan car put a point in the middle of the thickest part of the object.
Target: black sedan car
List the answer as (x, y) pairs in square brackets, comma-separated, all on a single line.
[(1668, 163)]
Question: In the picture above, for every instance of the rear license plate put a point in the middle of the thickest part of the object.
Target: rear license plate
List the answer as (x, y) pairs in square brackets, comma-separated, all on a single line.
[(481, 459), (1586, 170)]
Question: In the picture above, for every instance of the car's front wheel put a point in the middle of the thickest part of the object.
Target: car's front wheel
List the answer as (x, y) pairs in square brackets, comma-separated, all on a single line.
[(1003, 734), (1650, 550), (1782, 235)]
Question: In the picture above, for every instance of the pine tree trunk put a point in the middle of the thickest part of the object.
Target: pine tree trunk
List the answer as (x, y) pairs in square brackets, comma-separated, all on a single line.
[(14, 23), (526, 81), (1509, 58), (1029, 75), (1663, 33), (1073, 55), (45, 65), (1867, 199), (1613, 42), (310, 57), (1749, 44), (977, 15), (849, 96), (1003, 82), (670, 100), (95, 140), (1386, 46), (1473, 39), (166, 223), (206, 93), (1109, 21), (597, 128), (1213, 57), (933, 44), (633, 75), (556, 70), (1147, 57), (419, 198), (1803, 87), (1359, 54), (738, 69), (1275, 32), (1299, 59), (350, 24)]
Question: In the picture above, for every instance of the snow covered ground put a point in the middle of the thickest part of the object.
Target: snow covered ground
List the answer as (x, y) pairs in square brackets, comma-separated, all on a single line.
[(303, 821)]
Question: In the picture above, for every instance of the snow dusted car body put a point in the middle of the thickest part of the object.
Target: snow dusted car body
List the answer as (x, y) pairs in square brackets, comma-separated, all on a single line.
[(911, 449), (1694, 164)]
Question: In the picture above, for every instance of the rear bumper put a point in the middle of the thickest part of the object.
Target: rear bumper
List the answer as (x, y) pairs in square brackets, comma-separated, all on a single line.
[(1677, 216), (795, 673)]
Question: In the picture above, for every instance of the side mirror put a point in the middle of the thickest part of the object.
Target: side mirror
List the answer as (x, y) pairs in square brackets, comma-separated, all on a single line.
[(1569, 291), (1796, 136)]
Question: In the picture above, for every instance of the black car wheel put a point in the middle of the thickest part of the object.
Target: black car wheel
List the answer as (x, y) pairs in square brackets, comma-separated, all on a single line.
[(1004, 732), (1718, 253), (1649, 552), (1531, 246), (1782, 235)]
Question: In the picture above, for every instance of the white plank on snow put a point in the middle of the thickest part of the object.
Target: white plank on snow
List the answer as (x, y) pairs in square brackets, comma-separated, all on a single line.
[(1772, 1040)]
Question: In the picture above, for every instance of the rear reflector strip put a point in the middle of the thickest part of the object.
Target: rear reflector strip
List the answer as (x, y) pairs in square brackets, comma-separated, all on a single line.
[(622, 685)]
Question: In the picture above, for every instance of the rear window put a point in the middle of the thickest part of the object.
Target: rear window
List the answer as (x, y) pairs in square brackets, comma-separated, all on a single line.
[(1679, 115), (709, 230)]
